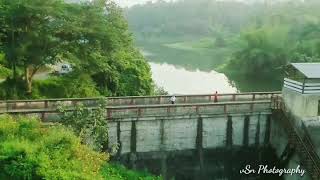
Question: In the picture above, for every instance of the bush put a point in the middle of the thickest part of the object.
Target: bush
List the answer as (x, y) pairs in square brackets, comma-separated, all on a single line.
[(49, 88), (90, 124), (12, 89), (28, 151), (117, 172), (69, 86), (4, 71), (158, 91), (31, 151)]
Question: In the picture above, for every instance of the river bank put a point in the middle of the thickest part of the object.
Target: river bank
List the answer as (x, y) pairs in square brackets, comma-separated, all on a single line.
[(184, 70)]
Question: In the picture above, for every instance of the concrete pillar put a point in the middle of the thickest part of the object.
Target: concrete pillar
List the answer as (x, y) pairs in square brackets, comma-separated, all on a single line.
[(133, 145), (229, 132), (164, 169), (246, 130), (268, 130), (133, 140), (257, 137), (118, 139), (199, 145), (133, 159), (162, 145)]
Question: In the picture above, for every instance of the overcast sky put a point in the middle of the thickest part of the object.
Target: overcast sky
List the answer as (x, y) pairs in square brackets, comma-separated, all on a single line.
[(126, 3)]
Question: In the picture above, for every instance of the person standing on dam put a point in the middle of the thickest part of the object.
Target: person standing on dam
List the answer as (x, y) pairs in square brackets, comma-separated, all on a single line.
[(216, 97), (173, 99)]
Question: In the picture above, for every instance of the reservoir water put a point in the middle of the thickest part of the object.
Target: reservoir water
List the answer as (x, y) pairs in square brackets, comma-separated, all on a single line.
[(181, 81), (187, 72)]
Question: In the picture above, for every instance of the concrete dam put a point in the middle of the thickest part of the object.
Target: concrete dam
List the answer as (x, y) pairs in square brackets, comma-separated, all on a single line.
[(195, 129), (147, 124)]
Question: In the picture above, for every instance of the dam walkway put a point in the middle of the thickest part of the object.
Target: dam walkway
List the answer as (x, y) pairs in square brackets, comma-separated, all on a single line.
[(137, 106), (150, 124)]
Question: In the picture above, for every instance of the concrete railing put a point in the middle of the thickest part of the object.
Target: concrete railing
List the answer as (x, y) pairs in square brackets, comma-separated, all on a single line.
[(137, 111), (188, 109), (200, 98), (133, 100)]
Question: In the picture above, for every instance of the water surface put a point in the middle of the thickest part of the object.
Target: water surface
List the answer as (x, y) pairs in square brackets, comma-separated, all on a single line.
[(180, 71), (177, 80)]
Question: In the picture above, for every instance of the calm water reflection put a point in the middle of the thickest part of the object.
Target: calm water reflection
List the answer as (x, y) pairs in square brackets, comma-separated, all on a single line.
[(186, 72), (181, 81)]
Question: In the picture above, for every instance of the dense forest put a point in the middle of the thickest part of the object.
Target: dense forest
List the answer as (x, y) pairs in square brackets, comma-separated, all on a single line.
[(238, 37), (91, 36)]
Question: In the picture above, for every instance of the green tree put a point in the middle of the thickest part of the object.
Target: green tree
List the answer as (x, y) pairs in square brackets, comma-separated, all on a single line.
[(108, 54), (266, 51), (29, 35), (92, 36)]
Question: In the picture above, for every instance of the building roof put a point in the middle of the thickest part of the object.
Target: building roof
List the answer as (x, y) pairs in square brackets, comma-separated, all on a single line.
[(309, 70)]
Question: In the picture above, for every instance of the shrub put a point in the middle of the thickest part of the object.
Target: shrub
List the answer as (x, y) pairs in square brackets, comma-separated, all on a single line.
[(160, 91), (119, 172), (29, 151), (49, 88), (12, 89), (68, 86), (90, 124)]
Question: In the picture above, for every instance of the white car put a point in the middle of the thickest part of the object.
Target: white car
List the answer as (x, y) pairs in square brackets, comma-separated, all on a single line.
[(65, 69)]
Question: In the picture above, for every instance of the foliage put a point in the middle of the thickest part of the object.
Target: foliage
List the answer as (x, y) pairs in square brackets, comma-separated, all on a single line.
[(65, 87), (89, 124), (118, 172), (30, 151), (12, 89), (189, 18), (53, 87), (75, 85), (4, 72), (264, 52), (279, 39), (93, 37), (160, 91), (30, 35)]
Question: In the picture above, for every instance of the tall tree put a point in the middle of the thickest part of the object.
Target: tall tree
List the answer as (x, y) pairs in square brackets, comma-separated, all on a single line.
[(29, 35), (92, 36)]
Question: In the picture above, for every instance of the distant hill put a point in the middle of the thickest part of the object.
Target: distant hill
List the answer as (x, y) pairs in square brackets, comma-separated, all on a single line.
[(198, 17), (190, 18)]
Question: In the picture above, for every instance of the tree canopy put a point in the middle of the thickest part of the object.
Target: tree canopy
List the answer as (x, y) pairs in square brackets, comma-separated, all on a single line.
[(93, 37)]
